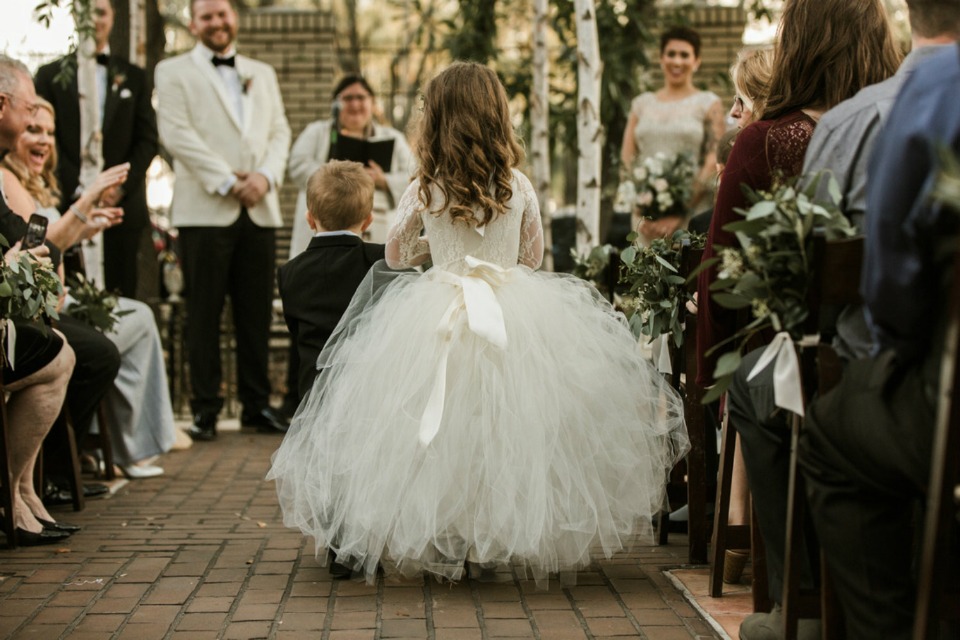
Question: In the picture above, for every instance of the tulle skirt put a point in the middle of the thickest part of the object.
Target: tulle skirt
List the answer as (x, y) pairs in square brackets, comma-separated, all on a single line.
[(551, 444)]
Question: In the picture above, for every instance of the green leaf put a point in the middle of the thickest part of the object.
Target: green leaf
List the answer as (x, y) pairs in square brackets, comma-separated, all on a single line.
[(762, 209), (730, 300), (727, 364), (713, 393), (666, 264)]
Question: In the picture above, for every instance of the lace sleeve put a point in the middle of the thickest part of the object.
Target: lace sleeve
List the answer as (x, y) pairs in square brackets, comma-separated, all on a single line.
[(405, 246), (531, 229)]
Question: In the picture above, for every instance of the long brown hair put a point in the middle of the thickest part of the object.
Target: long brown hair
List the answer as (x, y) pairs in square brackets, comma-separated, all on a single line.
[(44, 188), (466, 144), (827, 51)]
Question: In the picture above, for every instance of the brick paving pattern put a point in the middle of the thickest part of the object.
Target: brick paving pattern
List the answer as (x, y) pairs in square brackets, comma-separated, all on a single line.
[(202, 553)]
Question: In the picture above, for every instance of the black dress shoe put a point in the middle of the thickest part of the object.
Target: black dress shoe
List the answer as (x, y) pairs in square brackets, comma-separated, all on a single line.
[(59, 526), (30, 539), (204, 427), (336, 569), (266, 421)]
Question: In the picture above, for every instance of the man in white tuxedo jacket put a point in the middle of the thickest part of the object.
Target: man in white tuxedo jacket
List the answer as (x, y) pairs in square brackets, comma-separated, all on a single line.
[(222, 119)]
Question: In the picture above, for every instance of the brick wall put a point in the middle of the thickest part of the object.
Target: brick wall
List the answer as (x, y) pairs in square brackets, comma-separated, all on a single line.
[(300, 46)]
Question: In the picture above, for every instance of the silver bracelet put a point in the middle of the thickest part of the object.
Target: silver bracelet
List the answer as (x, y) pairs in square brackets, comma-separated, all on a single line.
[(82, 218)]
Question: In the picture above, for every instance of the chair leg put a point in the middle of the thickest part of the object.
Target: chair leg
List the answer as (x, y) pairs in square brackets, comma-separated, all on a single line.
[(6, 478), (761, 586), (103, 442), (725, 535), (63, 428), (697, 533)]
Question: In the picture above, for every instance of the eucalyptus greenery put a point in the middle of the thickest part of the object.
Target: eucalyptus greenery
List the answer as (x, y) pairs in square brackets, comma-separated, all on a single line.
[(591, 266), (93, 305), (659, 290), (769, 273), (29, 291)]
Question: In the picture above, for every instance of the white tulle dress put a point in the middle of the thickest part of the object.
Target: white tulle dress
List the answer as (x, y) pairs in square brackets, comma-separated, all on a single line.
[(478, 411)]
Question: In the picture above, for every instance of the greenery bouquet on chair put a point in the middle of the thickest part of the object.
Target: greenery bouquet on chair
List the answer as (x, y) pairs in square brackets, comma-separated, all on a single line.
[(657, 288), (29, 291), (95, 306), (769, 273)]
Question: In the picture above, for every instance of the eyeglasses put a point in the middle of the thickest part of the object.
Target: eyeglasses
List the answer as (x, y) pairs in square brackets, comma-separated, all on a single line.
[(32, 108)]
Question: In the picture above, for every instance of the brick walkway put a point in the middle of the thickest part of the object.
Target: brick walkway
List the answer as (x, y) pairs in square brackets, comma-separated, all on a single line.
[(201, 553)]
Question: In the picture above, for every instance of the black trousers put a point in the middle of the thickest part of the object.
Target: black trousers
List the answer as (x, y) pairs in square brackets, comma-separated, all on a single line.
[(238, 261), (765, 443), (865, 454), (98, 362), (121, 254)]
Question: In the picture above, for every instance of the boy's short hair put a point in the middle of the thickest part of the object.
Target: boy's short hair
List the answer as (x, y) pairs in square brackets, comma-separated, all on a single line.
[(340, 195)]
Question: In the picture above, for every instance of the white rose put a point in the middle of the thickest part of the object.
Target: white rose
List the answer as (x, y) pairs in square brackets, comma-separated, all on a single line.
[(661, 185), (640, 174), (645, 199), (665, 200)]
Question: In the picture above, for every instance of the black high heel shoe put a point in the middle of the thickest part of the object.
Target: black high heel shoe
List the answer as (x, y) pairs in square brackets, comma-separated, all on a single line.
[(59, 526), (30, 539)]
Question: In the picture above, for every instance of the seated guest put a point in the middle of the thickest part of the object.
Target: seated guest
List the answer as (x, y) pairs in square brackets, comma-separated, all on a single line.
[(866, 446), (841, 146), (807, 80), (45, 361), (141, 426), (317, 285), (36, 387)]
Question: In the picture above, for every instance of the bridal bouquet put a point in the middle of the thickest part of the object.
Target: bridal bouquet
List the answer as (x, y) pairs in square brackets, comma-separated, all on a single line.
[(769, 273), (659, 186)]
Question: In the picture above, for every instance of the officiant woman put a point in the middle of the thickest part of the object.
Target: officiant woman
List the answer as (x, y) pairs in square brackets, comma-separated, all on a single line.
[(353, 108)]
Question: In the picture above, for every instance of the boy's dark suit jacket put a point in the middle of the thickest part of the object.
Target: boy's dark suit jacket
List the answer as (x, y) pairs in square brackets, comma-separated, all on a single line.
[(316, 288)]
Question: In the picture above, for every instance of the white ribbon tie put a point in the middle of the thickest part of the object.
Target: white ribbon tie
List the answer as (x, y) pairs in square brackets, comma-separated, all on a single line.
[(787, 388)]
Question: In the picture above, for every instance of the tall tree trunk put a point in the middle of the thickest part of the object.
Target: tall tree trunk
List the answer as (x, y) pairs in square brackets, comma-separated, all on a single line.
[(540, 119), (589, 130)]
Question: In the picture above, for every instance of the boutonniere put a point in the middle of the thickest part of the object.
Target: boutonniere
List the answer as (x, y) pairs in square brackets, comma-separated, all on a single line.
[(246, 82), (118, 80)]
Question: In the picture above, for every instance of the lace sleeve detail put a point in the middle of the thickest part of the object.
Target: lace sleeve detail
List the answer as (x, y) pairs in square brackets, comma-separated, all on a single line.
[(786, 145), (531, 229), (405, 246)]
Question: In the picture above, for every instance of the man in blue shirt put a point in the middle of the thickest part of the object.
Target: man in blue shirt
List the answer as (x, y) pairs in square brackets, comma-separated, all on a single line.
[(866, 446)]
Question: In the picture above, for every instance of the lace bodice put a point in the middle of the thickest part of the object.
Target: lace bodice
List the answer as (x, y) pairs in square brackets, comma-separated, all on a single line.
[(680, 126), (516, 237)]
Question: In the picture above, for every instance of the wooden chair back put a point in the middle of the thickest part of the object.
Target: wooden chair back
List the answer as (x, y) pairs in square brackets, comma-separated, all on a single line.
[(835, 281), (934, 599)]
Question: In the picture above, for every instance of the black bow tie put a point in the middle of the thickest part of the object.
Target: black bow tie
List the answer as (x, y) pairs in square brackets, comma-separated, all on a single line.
[(103, 59), (224, 62)]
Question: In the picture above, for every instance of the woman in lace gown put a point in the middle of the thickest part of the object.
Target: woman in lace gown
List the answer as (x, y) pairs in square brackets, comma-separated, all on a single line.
[(678, 118), (479, 411)]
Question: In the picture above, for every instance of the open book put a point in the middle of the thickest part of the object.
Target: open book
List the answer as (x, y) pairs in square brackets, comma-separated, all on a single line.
[(362, 151)]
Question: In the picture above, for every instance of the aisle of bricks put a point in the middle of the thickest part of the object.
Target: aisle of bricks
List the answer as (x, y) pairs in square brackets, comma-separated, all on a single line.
[(202, 553)]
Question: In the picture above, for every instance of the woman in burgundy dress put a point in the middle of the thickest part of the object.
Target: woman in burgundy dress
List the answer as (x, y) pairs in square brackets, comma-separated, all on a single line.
[(827, 51)]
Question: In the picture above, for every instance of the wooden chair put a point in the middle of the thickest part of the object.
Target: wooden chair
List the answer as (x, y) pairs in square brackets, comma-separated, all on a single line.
[(690, 477), (6, 477), (934, 597), (835, 282), (735, 536), (63, 429)]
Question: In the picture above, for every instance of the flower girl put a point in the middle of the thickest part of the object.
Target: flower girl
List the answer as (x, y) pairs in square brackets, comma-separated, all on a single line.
[(480, 410)]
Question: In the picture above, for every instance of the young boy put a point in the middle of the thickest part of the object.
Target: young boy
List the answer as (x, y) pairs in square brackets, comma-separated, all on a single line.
[(317, 285)]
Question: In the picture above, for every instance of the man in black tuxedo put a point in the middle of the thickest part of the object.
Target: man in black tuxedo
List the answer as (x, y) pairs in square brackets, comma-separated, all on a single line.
[(316, 287), (129, 134)]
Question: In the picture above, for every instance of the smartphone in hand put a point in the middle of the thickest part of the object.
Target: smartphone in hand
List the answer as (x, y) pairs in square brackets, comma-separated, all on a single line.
[(36, 232)]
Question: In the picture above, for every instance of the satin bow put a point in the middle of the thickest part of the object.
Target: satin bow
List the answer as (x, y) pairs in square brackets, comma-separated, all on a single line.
[(484, 317), (787, 388)]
